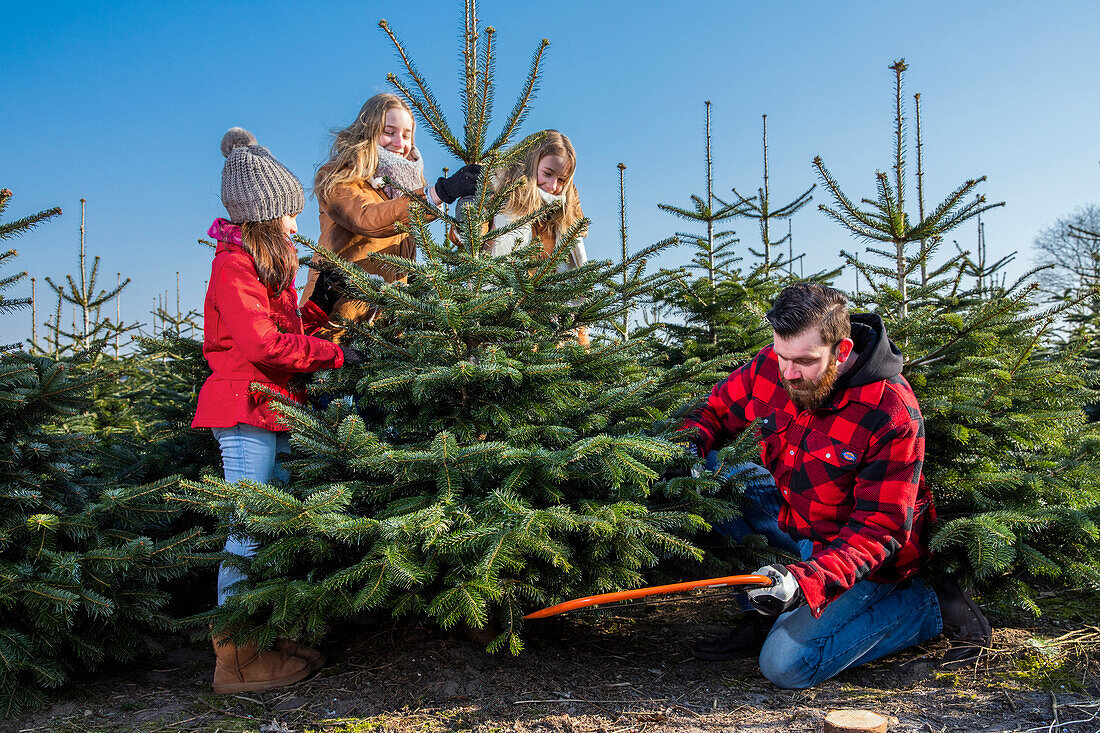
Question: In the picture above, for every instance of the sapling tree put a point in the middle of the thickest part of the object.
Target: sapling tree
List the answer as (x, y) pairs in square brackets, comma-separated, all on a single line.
[(715, 308), (760, 207), (623, 243), (10, 230), (90, 330), (713, 254), (885, 219)]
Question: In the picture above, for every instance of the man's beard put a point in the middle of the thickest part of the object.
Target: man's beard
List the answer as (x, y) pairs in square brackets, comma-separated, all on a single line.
[(808, 396)]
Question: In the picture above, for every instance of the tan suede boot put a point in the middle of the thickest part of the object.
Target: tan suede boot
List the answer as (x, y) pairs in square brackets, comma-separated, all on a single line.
[(314, 658), (480, 636), (247, 668)]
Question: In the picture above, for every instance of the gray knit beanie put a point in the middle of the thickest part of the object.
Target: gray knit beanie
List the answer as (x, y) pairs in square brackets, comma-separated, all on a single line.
[(255, 186)]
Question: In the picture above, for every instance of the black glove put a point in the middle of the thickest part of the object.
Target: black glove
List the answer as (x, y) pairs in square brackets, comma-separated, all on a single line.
[(324, 292), (781, 596), (353, 357), (694, 469), (462, 183), (675, 472)]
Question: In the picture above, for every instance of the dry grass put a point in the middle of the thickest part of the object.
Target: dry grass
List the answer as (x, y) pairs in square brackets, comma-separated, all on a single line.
[(627, 672)]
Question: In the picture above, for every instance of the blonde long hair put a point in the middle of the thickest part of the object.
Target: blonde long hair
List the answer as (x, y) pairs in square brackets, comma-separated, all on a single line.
[(354, 155), (275, 258), (526, 200)]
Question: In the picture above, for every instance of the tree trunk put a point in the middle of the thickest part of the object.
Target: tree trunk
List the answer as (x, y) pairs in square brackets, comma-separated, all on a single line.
[(855, 721)]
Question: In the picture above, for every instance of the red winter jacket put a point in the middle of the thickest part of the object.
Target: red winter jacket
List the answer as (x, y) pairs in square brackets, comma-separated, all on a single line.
[(849, 472), (253, 335)]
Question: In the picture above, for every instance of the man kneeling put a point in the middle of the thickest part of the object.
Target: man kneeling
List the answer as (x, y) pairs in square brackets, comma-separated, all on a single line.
[(842, 438)]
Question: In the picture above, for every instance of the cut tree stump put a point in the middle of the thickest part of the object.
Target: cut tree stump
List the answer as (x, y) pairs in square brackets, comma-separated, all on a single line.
[(855, 721)]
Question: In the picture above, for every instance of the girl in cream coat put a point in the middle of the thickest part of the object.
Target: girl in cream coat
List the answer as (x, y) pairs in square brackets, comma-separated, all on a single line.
[(546, 177)]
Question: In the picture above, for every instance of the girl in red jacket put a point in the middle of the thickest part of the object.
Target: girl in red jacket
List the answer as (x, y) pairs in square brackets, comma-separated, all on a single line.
[(253, 332)]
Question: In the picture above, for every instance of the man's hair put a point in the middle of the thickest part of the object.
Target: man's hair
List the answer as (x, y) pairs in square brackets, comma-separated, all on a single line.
[(804, 305)]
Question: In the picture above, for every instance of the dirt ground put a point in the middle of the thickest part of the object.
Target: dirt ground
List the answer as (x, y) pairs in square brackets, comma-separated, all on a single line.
[(613, 671)]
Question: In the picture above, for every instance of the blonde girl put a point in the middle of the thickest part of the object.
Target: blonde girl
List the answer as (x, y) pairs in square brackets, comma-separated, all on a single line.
[(545, 176), (360, 211)]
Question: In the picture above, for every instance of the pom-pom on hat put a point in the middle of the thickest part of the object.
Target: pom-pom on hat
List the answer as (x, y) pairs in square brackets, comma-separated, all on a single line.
[(236, 137), (255, 186)]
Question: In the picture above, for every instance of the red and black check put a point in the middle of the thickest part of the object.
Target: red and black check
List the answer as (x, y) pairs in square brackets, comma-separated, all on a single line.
[(849, 473)]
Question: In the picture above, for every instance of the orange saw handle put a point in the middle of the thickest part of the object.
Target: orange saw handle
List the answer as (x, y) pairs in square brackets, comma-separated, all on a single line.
[(755, 581)]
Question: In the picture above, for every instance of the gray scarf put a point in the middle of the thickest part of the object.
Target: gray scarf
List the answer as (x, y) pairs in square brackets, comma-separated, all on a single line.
[(405, 172)]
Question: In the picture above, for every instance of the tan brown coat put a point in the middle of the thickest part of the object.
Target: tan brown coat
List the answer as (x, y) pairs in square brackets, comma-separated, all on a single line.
[(356, 221)]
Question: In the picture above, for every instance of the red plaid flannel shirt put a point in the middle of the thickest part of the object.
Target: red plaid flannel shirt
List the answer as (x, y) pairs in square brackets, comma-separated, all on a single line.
[(849, 473)]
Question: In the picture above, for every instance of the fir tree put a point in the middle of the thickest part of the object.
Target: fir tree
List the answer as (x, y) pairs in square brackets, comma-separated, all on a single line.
[(715, 310), (493, 463), (173, 369), (80, 572), (10, 230), (1008, 459), (91, 344), (625, 247), (90, 331), (760, 207)]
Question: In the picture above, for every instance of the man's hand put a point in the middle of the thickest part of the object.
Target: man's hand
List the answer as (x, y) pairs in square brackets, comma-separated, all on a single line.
[(681, 471), (782, 596)]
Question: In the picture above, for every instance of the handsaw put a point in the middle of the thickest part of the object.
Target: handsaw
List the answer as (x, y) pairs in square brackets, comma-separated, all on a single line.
[(747, 582)]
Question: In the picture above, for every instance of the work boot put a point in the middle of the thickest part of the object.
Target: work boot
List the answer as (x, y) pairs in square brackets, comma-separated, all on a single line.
[(743, 640), (248, 668), (314, 658), (963, 622)]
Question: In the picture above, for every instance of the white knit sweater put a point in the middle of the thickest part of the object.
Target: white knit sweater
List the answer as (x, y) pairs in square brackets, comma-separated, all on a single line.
[(523, 236)]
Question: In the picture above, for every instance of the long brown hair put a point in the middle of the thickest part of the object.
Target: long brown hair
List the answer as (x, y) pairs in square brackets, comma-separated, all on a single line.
[(354, 155), (275, 257), (525, 199)]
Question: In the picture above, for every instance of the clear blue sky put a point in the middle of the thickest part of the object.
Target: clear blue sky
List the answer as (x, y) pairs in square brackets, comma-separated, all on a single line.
[(125, 104)]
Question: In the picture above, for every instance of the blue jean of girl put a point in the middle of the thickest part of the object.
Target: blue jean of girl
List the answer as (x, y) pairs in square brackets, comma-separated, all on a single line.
[(867, 621), (248, 452)]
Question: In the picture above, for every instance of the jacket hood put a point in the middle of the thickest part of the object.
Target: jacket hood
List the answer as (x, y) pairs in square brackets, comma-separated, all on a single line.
[(877, 357), (224, 230)]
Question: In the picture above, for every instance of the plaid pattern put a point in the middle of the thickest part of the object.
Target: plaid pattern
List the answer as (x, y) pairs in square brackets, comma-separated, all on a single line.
[(849, 473)]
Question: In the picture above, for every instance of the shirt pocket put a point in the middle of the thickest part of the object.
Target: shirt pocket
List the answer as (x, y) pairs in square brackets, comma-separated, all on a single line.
[(773, 430), (829, 466)]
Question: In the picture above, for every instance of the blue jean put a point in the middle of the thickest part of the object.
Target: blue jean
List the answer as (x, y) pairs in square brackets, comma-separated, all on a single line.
[(867, 621), (248, 452)]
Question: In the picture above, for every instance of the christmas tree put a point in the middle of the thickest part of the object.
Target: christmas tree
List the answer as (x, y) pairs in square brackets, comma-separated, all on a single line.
[(707, 311), (10, 230), (173, 369), (1009, 459), (83, 551), (485, 462), (715, 310)]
